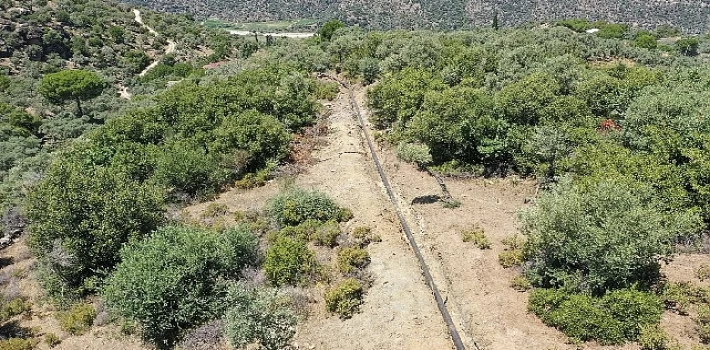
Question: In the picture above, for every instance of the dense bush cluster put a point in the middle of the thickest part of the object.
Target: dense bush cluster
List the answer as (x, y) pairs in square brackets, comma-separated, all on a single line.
[(607, 121), (112, 187), (616, 317), (41, 43), (176, 279)]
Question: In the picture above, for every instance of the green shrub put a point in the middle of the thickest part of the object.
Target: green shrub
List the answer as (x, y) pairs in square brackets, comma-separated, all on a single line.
[(601, 236), (653, 337), (171, 281), (52, 340), (520, 283), (294, 206), (289, 261), (13, 307), (362, 236), (612, 319), (18, 344), (350, 259), (345, 298), (703, 272), (477, 237), (78, 319), (259, 316), (414, 153)]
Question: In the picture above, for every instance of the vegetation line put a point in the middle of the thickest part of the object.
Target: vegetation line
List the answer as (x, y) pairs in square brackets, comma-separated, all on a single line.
[(408, 232)]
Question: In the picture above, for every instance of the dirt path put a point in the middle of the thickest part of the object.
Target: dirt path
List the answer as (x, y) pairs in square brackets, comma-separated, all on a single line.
[(399, 311), (168, 50), (477, 288)]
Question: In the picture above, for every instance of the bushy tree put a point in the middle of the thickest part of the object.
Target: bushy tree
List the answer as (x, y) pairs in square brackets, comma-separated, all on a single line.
[(601, 236), (688, 46), (81, 216), (329, 28), (75, 85), (174, 279)]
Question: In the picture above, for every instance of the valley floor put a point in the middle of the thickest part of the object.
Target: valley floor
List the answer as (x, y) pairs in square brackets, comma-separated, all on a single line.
[(399, 311)]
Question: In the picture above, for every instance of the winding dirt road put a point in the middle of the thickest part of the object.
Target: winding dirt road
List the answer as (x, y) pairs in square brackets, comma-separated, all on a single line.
[(168, 50)]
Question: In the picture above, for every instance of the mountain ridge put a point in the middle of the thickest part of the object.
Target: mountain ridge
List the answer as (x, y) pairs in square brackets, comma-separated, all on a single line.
[(692, 16)]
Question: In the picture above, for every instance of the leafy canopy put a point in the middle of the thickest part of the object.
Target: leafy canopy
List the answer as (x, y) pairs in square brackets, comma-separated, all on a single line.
[(71, 85)]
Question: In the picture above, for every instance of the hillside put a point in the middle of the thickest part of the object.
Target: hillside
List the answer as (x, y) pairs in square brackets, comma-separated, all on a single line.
[(690, 15), (166, 185), (100, 37)]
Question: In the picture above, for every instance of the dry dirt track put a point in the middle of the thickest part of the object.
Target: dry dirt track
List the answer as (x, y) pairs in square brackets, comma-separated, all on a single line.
[(168, 50), (399, 311)]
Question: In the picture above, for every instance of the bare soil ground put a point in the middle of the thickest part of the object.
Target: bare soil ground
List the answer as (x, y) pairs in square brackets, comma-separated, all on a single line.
[(18, 277), (399, 311)]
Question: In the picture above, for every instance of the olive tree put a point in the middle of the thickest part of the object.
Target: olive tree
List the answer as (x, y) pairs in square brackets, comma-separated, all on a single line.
[(601, 236)]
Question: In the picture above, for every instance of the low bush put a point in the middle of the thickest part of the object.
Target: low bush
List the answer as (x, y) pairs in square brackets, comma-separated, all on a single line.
[(414, 153), (257, 179), (294, 206), (289, 261), (345, 298), (209, 336), (78, 319), (704, 333), (52, 340), (703, 272), (513, 254), (327, 234), (653, 337), (259, 317), (350, 259), (171, 281), (511, 258), (612, 319), (680, 296), (326, 91), (14, 307), (477, 237), (520, 284), (18, 344), (363, 235)]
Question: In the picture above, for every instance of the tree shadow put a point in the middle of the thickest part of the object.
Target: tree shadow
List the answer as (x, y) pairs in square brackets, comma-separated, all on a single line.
[(428, 199), (13, 329), (6, 261)]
